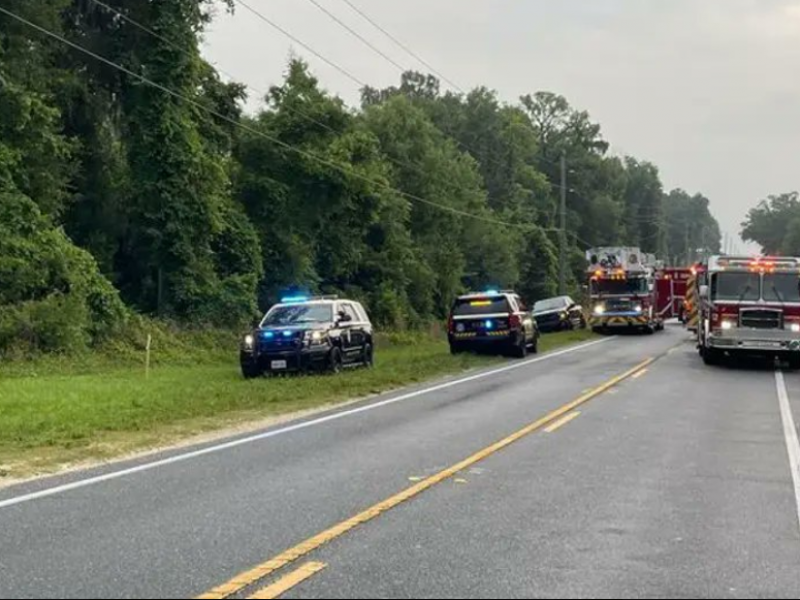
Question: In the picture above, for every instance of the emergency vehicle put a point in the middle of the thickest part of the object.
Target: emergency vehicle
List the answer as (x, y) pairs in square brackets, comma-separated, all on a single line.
[(671, 286), (750, 306), (622, 290)]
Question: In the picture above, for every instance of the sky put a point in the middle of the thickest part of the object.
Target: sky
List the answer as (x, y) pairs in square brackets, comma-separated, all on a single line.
[(708, 90)]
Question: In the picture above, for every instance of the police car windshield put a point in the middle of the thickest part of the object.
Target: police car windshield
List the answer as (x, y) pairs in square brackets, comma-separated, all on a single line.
[(736, 286), (614, 287), (782, 287), (297, 314), (550, 304), (480, 306)]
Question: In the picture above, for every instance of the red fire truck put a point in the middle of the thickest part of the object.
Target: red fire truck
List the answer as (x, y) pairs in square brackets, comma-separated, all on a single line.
[(671, 288), (750, 306), (622, 290)]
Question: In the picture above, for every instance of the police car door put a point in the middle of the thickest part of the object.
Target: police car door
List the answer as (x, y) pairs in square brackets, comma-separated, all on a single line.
[(352, 330)]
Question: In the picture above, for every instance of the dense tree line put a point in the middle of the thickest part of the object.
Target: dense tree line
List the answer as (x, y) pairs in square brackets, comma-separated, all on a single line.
[(775, 224), (160, 196)]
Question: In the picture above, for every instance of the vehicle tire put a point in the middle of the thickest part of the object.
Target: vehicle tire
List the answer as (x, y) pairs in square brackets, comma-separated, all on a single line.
[(335, 361), (250, 371), (535, 346), (711, 356), (368, 356), (649, 330), (583, 323), (794, 363), (520, 350)]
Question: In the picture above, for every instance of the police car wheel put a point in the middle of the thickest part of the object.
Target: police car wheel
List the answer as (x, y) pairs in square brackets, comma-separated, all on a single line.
[(335, 361), (368, 355), (251, 371), (520, 350)]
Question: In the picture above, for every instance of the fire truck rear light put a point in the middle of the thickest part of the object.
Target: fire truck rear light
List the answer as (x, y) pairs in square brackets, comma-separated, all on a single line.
[(795, 327)]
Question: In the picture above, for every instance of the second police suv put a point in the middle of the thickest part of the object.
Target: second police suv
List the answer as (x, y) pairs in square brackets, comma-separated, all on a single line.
[(492, 321), (303, 333)]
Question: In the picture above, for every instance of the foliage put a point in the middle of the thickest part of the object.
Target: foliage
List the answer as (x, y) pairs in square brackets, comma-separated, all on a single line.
[(775, 224), (201, 214)]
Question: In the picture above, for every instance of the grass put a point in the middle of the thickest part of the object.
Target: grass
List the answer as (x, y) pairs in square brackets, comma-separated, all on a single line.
[(57, 411)]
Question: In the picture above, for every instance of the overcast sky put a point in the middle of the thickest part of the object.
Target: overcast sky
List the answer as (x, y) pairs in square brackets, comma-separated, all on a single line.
[(708, 90)]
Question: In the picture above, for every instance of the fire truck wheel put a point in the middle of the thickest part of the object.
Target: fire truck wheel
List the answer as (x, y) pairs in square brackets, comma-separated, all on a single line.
[(711, 356), (649, 330)]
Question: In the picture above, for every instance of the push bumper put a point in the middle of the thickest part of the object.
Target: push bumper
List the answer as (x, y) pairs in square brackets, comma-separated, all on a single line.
[(283, 361), (755, 340), (619, 321)]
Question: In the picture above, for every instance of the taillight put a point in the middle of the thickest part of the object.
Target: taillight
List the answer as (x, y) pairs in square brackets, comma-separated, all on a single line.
[(450, 324), (514, 321)]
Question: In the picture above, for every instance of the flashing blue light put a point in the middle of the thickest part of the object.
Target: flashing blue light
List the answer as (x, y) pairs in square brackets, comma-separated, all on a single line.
[(287, 334), (294, 299), (269, 335), (492, 292), (489, 324)]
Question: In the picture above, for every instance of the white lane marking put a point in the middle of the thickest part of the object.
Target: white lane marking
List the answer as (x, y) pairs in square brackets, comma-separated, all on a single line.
[(790, 433), (284, 430)]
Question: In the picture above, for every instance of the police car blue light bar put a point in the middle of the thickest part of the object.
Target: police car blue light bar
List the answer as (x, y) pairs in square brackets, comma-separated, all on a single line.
[(294, 299)]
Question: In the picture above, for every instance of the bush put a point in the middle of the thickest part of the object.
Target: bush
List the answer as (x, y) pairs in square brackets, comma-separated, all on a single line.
[(52, 295)]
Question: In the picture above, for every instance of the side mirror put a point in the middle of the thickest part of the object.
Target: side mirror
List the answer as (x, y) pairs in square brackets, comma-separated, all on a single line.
[(344, 318), (704, 292)]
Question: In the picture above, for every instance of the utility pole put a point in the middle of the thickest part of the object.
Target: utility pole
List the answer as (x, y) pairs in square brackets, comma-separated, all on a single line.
[(562, 254)]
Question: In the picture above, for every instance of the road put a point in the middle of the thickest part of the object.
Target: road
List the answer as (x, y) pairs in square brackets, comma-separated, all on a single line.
[(674, 482)]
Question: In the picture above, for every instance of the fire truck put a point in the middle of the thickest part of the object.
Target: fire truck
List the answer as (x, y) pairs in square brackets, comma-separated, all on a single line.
[(622, 290), (750, 306), (672, 285)]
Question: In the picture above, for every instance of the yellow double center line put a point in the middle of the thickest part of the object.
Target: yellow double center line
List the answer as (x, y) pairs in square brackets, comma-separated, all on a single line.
[(270, 567)]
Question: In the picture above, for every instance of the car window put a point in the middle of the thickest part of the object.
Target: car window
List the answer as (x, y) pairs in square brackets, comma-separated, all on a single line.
[(481, 306), (521, 303), (362, 313), (349, 310), (297, 313), (550, 304)]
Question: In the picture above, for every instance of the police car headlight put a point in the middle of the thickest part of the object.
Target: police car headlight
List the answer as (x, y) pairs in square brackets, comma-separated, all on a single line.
[(315, 337), (600, 309), (564, 315), (795, 327), (728, 325), (249, 340)]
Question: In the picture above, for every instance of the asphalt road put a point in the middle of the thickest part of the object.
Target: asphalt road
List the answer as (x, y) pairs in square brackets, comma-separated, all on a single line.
[(676, 482)]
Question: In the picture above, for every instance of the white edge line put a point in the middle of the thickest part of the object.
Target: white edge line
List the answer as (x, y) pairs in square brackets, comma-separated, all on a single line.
[(284, 430), (790, 433)]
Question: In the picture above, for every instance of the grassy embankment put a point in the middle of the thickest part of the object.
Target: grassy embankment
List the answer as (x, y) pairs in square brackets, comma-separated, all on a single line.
[(56, 411)]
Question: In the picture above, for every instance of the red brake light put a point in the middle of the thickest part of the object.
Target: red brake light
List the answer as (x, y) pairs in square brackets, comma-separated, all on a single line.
[(450, 324)]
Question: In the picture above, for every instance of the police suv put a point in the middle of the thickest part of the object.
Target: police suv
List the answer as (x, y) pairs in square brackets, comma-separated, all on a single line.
[(309, 334)]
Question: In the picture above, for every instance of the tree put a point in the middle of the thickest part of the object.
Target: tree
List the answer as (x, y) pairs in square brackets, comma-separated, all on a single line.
[(768, 224)]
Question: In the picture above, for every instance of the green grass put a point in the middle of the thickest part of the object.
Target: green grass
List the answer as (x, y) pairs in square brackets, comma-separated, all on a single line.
[(61, 410)]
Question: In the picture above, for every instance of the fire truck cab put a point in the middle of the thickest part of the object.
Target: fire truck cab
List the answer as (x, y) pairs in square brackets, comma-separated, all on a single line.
[(750, 306), (622, 290)]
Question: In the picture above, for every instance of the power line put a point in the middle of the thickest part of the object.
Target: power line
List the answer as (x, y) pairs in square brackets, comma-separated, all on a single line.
[(252, 130), (301, 43), (185, 51), (402, 46), (357, 35)]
